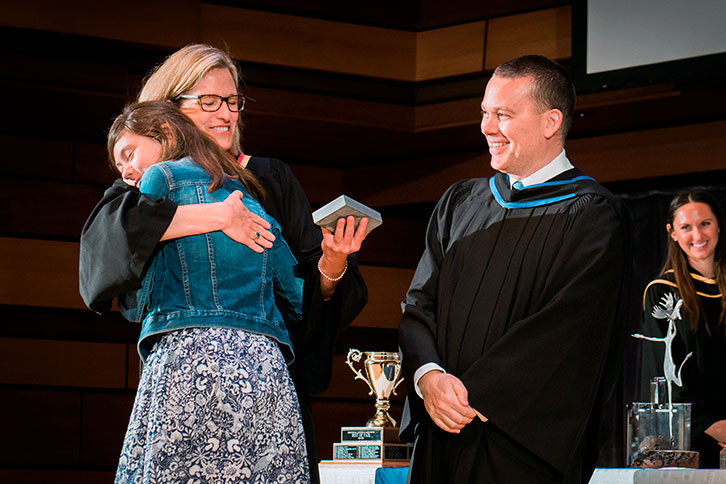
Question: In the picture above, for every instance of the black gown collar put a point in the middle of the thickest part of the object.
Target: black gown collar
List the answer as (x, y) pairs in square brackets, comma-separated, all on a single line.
[(566, 185)]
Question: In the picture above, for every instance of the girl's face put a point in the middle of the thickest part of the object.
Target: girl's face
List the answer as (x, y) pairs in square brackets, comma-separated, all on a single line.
[(133, 154), (222, 123)]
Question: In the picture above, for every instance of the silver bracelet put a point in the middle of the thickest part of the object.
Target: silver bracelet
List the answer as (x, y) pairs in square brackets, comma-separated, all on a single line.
[(332, 279)]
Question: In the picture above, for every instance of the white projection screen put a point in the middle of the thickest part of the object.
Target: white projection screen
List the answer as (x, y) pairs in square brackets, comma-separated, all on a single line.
[(621, 43)]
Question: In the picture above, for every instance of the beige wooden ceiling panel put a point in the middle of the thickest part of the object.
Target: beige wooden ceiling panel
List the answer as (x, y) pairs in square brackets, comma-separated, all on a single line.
[(308, 43), (545, 32), (450, 51), (169, 23)]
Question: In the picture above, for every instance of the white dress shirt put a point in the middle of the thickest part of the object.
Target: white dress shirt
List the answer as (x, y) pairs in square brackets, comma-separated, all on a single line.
[(559, 165)]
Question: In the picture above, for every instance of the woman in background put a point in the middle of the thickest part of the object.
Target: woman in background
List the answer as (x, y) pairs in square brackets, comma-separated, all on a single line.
[(121, 235), (215, 401), (694, 271)]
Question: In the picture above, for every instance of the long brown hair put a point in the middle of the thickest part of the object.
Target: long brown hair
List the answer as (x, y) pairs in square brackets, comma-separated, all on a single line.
[(677, 261), (179, 137)]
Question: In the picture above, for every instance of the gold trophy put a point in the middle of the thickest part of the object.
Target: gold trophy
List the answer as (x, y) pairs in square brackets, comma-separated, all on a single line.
[(384, 375)]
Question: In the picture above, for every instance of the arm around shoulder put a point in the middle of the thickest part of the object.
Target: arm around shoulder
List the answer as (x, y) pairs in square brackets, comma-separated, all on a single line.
[(117, 243)]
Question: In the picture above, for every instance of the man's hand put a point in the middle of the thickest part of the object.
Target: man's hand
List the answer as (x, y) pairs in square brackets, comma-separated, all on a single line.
[(717, 430), (243, 226), (446, 400)]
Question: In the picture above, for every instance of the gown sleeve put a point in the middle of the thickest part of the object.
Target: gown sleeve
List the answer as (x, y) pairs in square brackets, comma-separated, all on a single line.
[(118, 242), (417, 328)]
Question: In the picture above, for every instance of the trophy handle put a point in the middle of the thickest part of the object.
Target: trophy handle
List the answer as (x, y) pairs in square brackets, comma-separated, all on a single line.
[(356, 356)]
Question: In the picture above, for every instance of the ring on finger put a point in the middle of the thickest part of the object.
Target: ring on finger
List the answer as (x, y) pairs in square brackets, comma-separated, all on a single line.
[(256, 236)]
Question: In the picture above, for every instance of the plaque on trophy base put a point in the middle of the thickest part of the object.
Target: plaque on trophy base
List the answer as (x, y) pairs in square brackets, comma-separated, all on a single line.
[(372, 452), (372, 444), (369, 435)]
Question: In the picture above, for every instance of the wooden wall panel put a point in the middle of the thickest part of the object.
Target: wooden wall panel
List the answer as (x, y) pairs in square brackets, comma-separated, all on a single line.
[(66, 324), (310, 43), (321, 184), (461, 112), (70, 113), (618, 157), (110, 412), (134, 367), (288, 40), (91, 165), (44, 208), (419, 180), (398, 242), (386, 289), (40, 428), (19, 157), (62, 363), (546, 32), (334, 109), (171, 23), (45, 273), (450, 51), (39, 273), (658, 152), (55, 476)]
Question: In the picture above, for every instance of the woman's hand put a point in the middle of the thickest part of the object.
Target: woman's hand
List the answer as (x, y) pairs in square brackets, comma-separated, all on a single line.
[(243, 226), (336, 247)]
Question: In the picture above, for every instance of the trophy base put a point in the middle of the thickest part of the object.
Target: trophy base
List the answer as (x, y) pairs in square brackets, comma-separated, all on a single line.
[(371, 444), (655, 459), (372, 452)]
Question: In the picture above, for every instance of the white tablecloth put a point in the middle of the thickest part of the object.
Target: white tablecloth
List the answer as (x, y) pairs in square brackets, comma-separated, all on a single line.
[(334, 472), (658, 476)]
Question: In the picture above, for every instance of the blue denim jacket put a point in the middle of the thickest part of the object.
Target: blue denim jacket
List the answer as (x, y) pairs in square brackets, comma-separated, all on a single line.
[(208, 279)]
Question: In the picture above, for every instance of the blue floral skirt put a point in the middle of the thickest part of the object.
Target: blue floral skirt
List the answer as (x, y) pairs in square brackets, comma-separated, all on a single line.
[(214, 405)]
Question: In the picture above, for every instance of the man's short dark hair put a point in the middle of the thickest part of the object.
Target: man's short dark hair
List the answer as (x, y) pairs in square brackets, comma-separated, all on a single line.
[(553, 86)]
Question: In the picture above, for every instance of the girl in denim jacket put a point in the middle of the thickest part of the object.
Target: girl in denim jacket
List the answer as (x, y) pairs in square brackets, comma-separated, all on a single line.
[(215, 401)]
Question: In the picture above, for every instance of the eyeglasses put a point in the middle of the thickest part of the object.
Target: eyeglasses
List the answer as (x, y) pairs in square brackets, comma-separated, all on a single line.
[(211, 102)]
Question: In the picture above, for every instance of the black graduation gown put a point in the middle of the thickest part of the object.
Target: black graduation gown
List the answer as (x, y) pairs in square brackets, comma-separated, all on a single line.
[(520, 294), (704, 374), (119, 240)]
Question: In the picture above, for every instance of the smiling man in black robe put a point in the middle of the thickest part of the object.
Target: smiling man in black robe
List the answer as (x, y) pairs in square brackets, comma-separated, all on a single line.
[(513, 325)]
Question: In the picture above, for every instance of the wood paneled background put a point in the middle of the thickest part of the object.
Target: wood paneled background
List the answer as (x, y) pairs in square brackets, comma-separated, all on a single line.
[(380, 102)]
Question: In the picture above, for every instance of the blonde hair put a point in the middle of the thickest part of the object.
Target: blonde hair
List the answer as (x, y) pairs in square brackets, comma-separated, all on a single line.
[(183, 70), (179, 137)]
